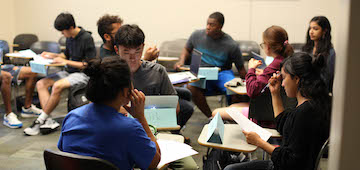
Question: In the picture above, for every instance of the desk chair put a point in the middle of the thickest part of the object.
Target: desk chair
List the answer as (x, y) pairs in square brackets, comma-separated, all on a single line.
[(49, 46), (62, 42), (58, 160), (261, 109), (322, 154), (97, 47), (248, 47), (297, 46), (24, 41)]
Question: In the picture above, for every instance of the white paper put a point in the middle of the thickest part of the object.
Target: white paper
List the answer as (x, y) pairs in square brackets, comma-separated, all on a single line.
[(172, 151), (27, 53), (248, 125), (41, 60)]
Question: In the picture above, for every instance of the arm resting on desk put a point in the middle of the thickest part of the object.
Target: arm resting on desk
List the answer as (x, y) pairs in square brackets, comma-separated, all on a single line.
[(184, 55)]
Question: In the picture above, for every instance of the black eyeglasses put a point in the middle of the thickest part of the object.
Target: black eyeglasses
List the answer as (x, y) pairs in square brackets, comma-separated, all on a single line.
[(262, 45)]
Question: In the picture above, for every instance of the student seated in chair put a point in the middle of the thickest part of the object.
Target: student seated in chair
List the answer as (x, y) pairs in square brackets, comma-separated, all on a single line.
[(148, 77), (306, 127), (11, 73), (107, 28), (275, 44), (99, 130), (219, 50), (79, 48)]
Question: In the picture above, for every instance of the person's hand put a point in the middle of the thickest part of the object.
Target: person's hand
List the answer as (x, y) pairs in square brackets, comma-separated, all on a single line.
[(59, 60), (275, 82), (252, 138), (254, 63), (48, 55), (151, 53), (178, 65), (258, 71), (137, 108)]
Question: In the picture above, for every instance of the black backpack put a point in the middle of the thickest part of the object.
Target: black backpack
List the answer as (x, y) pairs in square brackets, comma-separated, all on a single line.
[(217, 159), (76, 97)]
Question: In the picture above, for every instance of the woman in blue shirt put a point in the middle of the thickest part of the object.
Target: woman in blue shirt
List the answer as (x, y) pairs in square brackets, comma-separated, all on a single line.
[(99, 130)]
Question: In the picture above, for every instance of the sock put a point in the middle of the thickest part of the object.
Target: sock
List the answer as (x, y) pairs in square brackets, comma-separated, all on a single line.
[(43, 116)]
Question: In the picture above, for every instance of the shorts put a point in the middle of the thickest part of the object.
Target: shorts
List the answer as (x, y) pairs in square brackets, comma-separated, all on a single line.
[(213, 86), (14, 73), (74, 79)]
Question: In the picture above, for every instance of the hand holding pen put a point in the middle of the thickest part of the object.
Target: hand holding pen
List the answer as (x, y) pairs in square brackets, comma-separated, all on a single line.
[(274, 83)]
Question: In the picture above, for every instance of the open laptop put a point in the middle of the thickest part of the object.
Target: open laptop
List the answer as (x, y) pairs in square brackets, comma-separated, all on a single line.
[(161, 101), (187, 76), (160, 110)]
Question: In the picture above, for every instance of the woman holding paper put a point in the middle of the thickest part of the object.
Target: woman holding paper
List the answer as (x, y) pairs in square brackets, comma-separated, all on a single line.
[(306, 127), (99, 130), (275, 44)]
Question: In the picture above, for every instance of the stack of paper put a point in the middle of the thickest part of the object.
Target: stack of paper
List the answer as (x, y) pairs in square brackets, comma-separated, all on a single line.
[(27, 53), (172, 151), (248, 125)]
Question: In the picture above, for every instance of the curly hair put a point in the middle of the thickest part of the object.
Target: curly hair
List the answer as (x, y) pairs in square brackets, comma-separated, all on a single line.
[(105, 24)]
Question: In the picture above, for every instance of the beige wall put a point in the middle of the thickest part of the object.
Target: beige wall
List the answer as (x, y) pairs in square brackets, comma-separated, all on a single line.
[(7, 20), (163, 20), (345, 135)]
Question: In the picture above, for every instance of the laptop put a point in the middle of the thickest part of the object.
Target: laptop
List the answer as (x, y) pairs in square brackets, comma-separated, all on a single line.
[(160, 111), (187, 76)]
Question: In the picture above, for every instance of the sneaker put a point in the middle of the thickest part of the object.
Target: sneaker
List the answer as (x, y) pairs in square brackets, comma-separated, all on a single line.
[(49, 126), (32, 111), (34, 129), (12, 121)]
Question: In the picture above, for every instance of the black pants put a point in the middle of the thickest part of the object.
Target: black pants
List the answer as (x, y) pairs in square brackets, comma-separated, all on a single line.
[(252, 165), (186, 106)]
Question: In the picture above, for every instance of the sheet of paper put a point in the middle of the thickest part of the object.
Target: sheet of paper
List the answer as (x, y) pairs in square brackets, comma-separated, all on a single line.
[(27, 53), (181, 77), (41, 60), (248, 125), (172, 151)]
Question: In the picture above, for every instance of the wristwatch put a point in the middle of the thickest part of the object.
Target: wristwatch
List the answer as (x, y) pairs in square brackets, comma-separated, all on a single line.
[(153, 130)]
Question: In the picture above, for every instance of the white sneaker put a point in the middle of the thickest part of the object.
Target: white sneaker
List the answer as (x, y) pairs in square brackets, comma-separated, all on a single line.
[(32, 111), (12, 121), (34, 129), (49, 126)]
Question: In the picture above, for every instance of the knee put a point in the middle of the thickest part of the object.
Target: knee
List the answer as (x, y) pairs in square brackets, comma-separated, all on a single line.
[(58, 87), (6, 77), (43, 84)]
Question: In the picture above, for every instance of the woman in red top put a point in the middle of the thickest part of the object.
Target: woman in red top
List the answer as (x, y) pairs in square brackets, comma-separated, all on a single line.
[(275, 44)]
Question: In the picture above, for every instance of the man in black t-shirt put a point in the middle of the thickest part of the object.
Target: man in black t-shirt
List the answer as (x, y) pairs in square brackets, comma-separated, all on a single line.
[(79, 48)]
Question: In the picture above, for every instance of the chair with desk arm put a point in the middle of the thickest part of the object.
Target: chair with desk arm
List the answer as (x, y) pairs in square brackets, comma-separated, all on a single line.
[(24, 41), (49, 46), (58, 160)]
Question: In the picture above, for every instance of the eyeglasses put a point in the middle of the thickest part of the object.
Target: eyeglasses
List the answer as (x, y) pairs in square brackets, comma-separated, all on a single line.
[(262, 45)]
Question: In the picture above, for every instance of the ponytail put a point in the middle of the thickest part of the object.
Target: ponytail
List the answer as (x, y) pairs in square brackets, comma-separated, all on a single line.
[(277, 39)]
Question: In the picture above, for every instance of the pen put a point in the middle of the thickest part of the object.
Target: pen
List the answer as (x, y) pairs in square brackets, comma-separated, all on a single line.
[(267, 85)]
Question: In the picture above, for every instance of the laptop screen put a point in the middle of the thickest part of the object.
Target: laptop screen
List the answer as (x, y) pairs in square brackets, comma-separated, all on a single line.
[(195, 61)]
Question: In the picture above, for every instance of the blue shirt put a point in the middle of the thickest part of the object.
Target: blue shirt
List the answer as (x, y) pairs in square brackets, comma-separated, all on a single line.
[(100, 131)]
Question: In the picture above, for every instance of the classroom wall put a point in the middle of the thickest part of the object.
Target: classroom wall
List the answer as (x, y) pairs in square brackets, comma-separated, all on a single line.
[(7, 19), (345, 136), (163, 20)]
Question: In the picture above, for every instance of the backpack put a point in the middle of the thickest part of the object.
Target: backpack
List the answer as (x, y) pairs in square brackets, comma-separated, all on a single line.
[(76, 97), (217, 159)]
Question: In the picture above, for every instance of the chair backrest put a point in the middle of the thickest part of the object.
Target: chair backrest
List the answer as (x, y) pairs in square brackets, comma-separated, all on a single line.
[(97, 47), (24, 41), (172, 48), (248, 47), (62, 41), (261, 109), (297, 46), (49, 46), (323, 153), (57, 160)]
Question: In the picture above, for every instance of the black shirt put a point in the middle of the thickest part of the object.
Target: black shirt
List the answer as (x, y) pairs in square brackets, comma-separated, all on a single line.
[(105, 52), (304, 131), (80, 48)]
